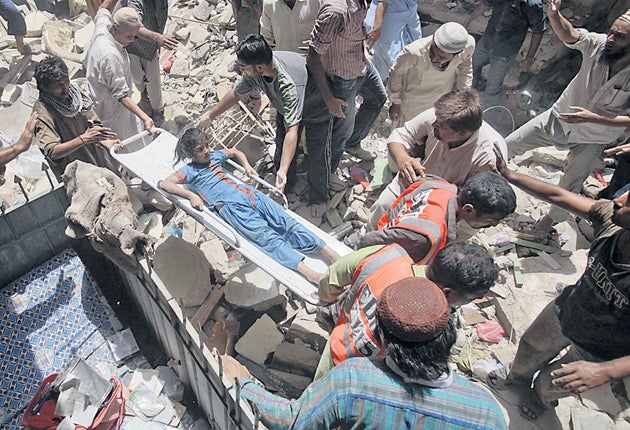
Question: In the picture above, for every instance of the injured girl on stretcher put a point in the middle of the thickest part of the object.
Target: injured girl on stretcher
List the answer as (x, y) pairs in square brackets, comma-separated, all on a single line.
[(254, 215)]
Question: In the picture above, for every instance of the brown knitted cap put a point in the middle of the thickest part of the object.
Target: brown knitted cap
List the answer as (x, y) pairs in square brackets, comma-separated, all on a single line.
[(413, 310)]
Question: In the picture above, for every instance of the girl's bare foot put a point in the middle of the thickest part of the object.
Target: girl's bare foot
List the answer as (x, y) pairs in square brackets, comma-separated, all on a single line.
[(310, 274), (329, 254)]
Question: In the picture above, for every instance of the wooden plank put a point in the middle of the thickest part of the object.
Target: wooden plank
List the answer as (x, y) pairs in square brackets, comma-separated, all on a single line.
[(206, 308)]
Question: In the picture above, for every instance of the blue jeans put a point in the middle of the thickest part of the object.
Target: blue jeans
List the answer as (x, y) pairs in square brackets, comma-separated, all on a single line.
[(15, 21), (499, 67), (327, 137), (372, 90), (315, 121)]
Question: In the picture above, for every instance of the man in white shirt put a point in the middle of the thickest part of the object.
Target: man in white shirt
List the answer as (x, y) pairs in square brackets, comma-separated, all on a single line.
[(109, 73), (451, 141), (287, 24)]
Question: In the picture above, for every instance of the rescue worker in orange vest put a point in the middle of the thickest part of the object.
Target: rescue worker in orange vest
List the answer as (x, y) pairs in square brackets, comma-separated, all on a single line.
[(464, 271), (424, 217)]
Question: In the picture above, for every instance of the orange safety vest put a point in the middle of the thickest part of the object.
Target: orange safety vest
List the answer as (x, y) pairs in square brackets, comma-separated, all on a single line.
[(422, 208), (354, 334)]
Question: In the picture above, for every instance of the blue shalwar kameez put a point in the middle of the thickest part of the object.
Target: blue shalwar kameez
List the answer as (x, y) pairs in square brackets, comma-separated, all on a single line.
[(254, 215)]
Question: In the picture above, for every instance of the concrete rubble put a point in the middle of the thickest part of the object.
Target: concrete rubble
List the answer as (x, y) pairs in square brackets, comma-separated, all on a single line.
[(275, 331)]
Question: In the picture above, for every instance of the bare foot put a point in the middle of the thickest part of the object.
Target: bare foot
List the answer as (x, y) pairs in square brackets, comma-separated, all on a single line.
[(309, 273), (329, 254)]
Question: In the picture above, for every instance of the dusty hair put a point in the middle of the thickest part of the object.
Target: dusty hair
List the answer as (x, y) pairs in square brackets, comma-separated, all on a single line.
[(51, 70), (185, 145), (461, 110)]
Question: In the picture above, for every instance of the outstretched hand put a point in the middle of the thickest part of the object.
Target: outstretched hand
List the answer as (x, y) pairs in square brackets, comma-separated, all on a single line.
[(580, 376), (580, 115), (618, 150), (500, 166), (231, 367), (24, 142), (553, 6)]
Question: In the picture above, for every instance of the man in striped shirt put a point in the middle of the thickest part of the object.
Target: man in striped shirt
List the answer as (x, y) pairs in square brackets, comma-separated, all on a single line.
[(337, 60), (412, 389)]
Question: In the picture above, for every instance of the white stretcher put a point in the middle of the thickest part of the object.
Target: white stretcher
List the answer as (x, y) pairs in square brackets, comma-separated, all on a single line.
[(151, 159)]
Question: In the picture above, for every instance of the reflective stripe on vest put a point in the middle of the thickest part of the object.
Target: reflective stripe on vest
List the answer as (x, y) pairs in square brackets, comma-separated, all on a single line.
[(354, 333), (422, 208)]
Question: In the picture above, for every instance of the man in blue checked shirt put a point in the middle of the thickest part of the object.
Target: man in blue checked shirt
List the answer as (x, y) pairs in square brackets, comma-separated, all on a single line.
[(413, 388)]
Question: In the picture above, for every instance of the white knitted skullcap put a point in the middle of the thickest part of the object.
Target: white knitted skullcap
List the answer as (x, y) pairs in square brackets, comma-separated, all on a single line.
[(451, 37)]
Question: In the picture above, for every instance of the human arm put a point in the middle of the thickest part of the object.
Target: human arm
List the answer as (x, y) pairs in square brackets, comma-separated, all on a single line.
[(618, 150), (253, 9), (242, 158), (465, 69), (577, 204), (91, 135), (314, 64), (165, 40), (288, 151), (476, 13), (582, 375), (397, 73), (23, 143), (409, 168), (135, 109), (109, 5), (413, 133), (339, 274), (582, 115), (526, 63), (560, 25), (226, 102), (375, 32), (171, 185), (316, 408)]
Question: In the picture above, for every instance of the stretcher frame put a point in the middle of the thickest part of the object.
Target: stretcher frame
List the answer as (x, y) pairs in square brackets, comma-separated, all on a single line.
[(152, 160)]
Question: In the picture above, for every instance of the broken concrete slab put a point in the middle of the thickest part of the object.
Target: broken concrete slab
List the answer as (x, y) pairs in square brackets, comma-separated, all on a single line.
[(550, 155), (260, 340), (151, 224), (307, 330), (253, 288), (82, 37), (184, 270), (217, 257), (10, 94), (298, 357), (203, 10), (35, 22), (298, 381)]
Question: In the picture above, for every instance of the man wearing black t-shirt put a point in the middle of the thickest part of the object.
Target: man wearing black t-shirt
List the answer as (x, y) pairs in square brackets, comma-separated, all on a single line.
[(591, 317)]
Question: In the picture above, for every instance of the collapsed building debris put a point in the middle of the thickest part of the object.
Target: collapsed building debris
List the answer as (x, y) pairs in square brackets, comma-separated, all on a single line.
[(236, 306)]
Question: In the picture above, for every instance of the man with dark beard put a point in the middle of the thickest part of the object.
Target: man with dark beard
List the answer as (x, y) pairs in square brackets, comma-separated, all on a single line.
[(592, 112), (68, 129)]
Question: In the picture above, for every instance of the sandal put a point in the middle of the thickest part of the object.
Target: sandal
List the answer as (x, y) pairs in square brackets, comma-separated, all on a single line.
[(531, 409), (498, 379)]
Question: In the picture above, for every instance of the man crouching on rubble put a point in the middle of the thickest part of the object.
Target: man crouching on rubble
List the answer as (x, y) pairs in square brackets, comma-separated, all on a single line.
[(412, 388), (591, 317), (463, 271), (68, 129)]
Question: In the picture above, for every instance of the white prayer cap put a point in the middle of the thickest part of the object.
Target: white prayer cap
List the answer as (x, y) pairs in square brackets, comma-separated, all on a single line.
[(127, 17), (451, 38)]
